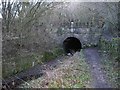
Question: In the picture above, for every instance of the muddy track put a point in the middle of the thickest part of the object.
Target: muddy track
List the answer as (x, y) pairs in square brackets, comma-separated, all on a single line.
[(99, 79)]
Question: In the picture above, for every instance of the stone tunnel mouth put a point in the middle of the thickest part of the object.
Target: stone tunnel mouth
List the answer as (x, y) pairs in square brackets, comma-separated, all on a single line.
[(72, 45)]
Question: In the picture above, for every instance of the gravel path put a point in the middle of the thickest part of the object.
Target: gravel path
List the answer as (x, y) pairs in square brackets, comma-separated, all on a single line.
[(99, 79)]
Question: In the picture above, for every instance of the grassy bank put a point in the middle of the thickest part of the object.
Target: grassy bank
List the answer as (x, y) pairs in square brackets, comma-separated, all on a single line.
[(110, 58), (17, 64), (72, 73)]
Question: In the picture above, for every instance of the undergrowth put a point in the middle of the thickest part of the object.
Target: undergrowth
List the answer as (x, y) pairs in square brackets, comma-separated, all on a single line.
[(72, 73), (19, 63), (110, 58)]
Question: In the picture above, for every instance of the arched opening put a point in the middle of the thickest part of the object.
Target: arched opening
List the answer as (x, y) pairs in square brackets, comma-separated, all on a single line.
[(72, 45)]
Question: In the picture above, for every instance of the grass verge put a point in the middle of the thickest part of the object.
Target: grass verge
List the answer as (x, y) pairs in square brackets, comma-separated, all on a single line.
[(111, 57), (72, 73), (15, 65), (112, 70)]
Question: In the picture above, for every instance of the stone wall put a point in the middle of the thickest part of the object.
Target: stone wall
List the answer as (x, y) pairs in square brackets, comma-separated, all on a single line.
[(85, 35)]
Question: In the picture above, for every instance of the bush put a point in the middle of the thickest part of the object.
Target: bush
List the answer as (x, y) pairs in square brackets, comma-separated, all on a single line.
[(49, 55), (58, 52), (110, 59), (110, 47), (90, 45), (20, 63)]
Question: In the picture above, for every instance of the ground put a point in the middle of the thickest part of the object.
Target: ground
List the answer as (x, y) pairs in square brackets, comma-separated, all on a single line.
[(69, 72), (82, 70), (99, 79)]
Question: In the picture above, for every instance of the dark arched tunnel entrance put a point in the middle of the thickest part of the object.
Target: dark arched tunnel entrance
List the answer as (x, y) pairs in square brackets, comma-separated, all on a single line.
[(72, 45)]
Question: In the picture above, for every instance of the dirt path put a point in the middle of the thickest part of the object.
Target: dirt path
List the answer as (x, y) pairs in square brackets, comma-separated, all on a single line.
[(99, 79)]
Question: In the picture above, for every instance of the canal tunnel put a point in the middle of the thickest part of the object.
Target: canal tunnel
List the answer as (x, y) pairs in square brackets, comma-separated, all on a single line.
[(72, 45)]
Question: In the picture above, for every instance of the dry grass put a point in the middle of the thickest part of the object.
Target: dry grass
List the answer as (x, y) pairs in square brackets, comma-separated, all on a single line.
[(73, 73)]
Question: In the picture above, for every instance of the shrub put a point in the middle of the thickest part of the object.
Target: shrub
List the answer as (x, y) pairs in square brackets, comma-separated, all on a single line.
[(58, 52), (49, 55), (111, 58), (110, 47), (20, 63)]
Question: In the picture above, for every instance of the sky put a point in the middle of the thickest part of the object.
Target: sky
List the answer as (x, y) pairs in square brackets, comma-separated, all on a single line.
[(0, 9), (61, 1)]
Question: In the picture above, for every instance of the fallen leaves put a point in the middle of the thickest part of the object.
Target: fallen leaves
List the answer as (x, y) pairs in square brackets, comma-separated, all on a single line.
[(72, 72)]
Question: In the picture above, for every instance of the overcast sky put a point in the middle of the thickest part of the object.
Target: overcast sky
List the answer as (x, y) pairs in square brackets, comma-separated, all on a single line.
[(0, 9), (62, 1)]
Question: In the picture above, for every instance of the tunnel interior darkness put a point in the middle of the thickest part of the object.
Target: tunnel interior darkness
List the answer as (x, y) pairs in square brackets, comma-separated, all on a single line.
[(71, 45)]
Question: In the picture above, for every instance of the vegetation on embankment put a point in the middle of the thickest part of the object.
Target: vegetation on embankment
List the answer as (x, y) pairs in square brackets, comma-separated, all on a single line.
[(72, 73), (12, 66), (110, 58)]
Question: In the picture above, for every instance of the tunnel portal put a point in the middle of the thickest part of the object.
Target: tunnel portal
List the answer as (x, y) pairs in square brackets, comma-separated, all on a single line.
[(72, 45)]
